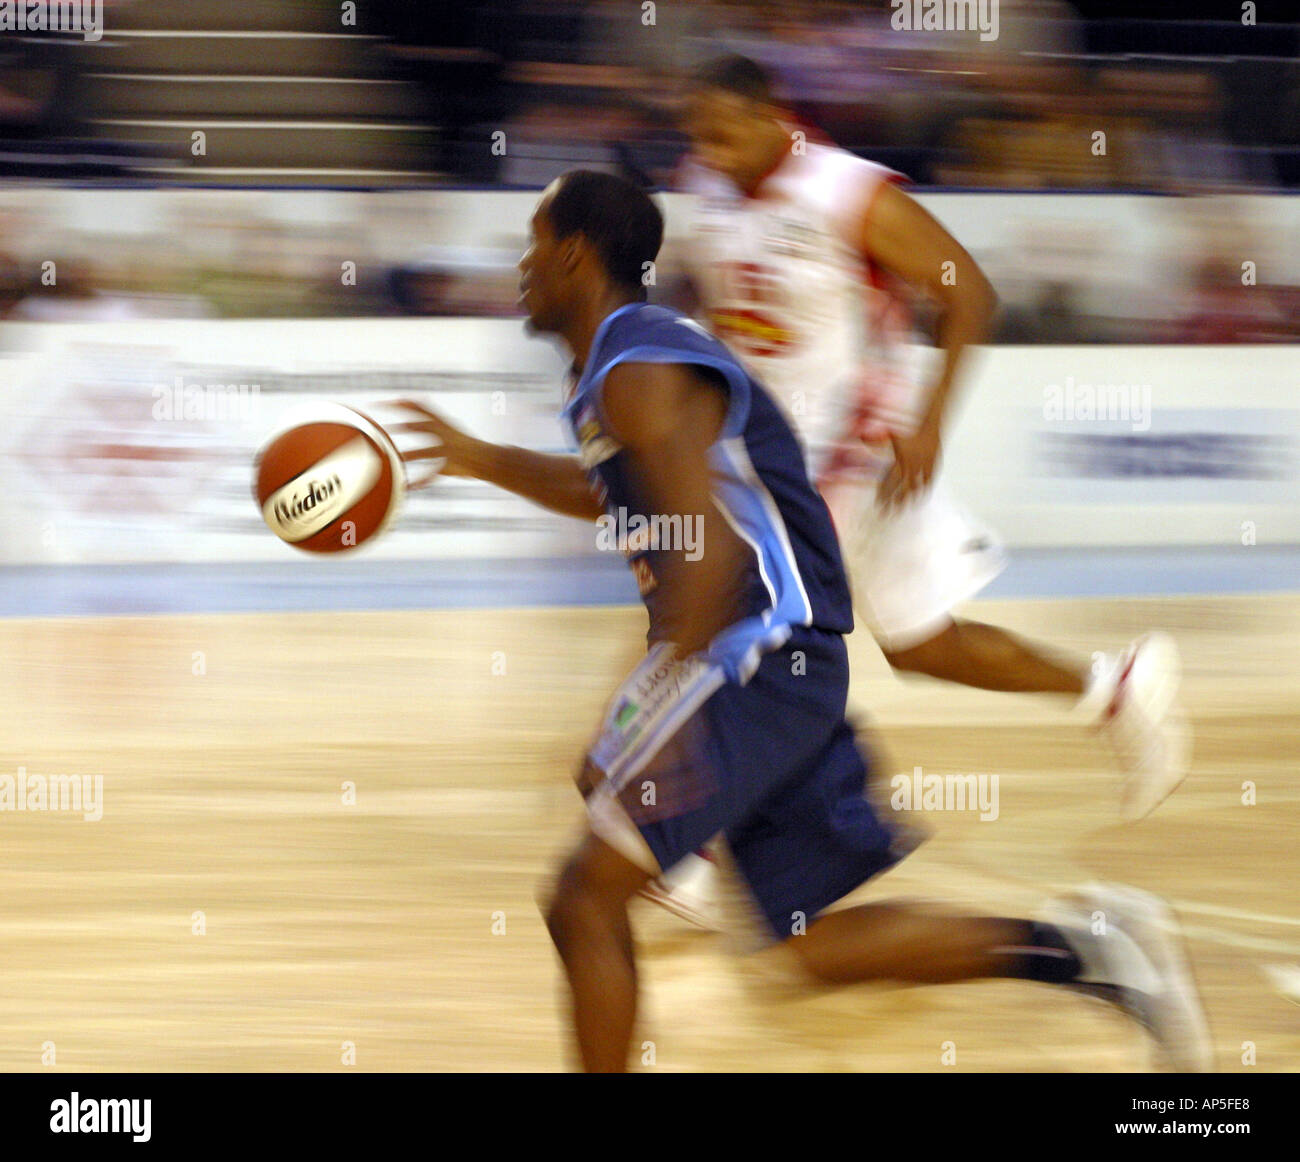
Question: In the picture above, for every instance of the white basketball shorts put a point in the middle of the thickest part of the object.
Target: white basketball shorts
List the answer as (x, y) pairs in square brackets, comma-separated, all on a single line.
[(912, 566)]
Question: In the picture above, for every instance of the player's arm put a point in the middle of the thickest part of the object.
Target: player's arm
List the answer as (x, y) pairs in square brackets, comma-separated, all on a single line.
[(556, 482), (665, 415), (898, 234)]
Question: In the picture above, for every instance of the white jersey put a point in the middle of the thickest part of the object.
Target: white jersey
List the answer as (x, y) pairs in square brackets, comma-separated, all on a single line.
[(783, 283)]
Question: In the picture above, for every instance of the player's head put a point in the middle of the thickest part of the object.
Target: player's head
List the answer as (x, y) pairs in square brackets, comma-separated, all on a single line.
[(733, 120), (591, 232)]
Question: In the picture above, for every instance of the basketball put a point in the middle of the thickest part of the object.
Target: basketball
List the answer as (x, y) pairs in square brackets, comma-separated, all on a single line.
[(329, 484)]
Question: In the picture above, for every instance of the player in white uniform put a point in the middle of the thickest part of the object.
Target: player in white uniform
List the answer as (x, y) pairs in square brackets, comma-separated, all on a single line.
[(791, 248)]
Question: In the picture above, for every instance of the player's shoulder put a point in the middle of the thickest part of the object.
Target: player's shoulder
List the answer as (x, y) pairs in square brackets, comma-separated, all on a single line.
[(650, 325), (828, 169), (837, 184), (653, 334)]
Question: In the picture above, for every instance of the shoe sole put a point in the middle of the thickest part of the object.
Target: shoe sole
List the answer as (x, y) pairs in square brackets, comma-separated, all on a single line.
[(1149, 792), (1157, 667), (1152, 925)]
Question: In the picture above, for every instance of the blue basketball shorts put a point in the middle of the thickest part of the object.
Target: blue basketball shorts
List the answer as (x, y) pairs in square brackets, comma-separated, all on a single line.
[(773, 765)]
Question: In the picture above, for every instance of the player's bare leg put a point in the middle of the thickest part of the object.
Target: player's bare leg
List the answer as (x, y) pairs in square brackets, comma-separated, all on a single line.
[(990, 658), (901, 942), (1134, 959), (587, 919), (1134, 695)]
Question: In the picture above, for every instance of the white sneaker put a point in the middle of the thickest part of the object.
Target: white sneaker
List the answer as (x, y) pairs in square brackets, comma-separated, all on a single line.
[(1285, 978), (1136, 694), (689, 889), (1137, 962)]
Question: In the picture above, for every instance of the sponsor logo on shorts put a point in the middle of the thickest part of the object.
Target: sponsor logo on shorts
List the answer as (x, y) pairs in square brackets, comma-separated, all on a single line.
[(672, 671), (654, 692)]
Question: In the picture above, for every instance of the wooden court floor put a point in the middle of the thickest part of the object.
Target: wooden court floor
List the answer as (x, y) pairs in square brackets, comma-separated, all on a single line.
[(322, 831)]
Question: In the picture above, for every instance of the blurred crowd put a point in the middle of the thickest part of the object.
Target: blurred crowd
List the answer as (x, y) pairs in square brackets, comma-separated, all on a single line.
[(1183, 107), (1186, 105)]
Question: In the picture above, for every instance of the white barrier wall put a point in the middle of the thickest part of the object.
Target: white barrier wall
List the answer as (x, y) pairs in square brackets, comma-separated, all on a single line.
[(1132, 446), (134, 441)]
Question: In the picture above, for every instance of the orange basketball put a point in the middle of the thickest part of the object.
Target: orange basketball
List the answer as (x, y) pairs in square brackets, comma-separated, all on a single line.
[(330, 484)]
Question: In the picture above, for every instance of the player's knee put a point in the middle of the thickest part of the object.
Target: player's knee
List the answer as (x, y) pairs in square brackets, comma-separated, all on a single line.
[(561, 920), (575, 906), (563, 913)]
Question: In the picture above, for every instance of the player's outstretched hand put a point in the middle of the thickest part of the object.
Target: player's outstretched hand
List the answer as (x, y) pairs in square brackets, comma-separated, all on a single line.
[(448, 443), (915, 459)]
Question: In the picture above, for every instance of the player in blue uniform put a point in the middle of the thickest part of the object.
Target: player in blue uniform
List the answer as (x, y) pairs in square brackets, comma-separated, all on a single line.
[(734, 722)]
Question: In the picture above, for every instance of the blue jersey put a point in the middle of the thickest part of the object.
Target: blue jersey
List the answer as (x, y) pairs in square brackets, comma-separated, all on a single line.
[(794, 575)]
